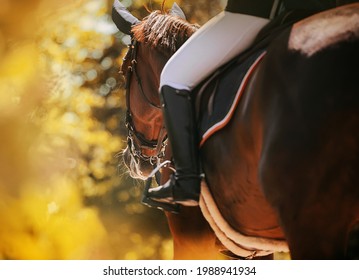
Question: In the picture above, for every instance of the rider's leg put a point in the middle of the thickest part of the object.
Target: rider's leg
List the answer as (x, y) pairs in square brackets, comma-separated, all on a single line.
[(214, 44), (183, 187)]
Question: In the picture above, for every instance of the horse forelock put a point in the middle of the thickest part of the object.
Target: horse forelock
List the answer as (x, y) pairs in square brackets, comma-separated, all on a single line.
[(164, 32)]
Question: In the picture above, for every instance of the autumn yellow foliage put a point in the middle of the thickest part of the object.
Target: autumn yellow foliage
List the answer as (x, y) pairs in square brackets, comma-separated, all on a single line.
[(61, 193)]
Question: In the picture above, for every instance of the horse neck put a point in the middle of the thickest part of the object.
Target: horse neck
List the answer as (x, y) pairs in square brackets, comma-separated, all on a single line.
[(155, 62)]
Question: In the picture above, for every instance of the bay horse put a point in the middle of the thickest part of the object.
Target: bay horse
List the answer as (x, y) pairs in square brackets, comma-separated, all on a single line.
[(286, 166)]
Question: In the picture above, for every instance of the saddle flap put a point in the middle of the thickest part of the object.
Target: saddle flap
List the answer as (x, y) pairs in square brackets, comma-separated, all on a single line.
[(219, 95)]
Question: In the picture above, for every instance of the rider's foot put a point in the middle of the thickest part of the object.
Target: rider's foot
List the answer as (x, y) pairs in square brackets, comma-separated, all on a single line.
[(184, 191)]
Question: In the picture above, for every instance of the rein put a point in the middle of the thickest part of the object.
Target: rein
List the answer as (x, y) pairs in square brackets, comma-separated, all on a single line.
[(135, 140)]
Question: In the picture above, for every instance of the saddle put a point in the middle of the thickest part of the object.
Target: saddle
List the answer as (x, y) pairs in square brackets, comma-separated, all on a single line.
[(218, 96)]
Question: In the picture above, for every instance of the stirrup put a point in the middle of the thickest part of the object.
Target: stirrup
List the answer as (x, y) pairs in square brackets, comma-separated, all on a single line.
[(146, 200)]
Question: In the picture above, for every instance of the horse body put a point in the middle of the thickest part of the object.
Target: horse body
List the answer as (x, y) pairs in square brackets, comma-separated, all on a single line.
[(310, 156), (286, 166)]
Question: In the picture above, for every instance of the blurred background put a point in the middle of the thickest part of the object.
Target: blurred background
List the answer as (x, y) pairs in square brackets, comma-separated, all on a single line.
[(64, 191)]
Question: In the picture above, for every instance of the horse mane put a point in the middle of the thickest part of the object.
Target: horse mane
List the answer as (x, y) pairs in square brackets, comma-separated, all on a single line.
[(163, 31)]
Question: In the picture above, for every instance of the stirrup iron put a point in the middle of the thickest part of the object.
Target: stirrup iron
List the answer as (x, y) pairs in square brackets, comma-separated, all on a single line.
[(146, 200), (173, 208)]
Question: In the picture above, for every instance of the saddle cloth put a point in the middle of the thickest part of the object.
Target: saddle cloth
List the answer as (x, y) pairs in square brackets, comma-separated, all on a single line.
[(219, 95), (234, 241)]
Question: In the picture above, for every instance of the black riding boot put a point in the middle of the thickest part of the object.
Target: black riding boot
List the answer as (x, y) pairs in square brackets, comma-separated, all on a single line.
[(184, 185)]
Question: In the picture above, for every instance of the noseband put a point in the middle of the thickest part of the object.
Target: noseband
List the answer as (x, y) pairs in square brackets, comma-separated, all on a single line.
[(135, 140)]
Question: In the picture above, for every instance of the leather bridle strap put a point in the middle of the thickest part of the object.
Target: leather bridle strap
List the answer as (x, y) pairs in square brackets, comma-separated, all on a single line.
[(133, 69), (140, 142)]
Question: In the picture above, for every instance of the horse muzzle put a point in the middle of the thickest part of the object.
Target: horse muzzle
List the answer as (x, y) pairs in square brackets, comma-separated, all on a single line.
[(138, 168)]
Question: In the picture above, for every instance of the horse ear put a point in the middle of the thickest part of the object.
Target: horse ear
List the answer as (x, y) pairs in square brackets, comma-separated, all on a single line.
[(177, 11), (123, 19)]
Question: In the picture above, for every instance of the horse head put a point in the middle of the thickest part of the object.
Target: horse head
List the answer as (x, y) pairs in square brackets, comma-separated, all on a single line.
[(153, 41)]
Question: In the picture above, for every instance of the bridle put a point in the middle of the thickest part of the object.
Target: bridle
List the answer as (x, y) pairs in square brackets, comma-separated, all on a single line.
[(136, 142)]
